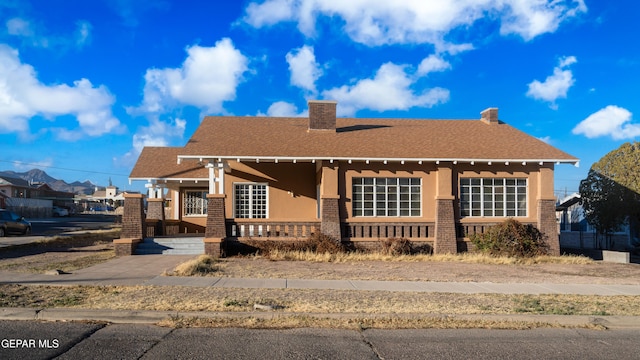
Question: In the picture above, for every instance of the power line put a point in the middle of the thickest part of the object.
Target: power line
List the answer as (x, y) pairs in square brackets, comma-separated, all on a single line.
[(61, 168)]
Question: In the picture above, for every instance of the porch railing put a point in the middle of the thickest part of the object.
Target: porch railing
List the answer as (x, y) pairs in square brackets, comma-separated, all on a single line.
[(466, 229), (368, 230), (245, 229)]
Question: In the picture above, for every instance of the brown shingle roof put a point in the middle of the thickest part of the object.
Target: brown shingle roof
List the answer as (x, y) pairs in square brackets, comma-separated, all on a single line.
[(269, 137), (161, 162), (367, 138)]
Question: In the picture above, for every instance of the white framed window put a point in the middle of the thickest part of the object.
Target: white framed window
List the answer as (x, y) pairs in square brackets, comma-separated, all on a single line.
[(387, 197), (250, 200), (493, 197), (195, 202)]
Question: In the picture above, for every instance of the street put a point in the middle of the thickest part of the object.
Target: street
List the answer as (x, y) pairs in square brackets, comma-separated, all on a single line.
[(43, 340)]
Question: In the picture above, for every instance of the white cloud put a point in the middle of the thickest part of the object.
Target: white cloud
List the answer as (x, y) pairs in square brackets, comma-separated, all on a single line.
[(83, 33), (208, 77), (378, 22), (611, 121), (432, 63), (157, 133), (304, 68), (284, 109), (555, 86), (34, 35), (23, 96), (390, 89)]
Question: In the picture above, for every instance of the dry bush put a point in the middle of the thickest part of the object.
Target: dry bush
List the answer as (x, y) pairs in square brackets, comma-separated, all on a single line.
[(511, 238), (396, 246), (317, 244)]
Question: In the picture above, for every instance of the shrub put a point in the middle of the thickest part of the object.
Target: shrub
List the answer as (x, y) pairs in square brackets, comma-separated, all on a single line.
[(317, 243), (396, 246), (511, 238)]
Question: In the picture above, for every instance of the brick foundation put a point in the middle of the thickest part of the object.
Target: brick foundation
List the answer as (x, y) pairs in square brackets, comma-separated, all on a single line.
[(213, 247), (548, 225), (125, 247), (330, 217), (445, 228)]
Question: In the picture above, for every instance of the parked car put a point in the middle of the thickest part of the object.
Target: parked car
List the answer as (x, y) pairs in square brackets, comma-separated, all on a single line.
[(59, 211), (10, 223)]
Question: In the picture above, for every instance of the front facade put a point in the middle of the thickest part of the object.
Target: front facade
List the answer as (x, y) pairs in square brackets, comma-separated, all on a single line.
[(359, 180)]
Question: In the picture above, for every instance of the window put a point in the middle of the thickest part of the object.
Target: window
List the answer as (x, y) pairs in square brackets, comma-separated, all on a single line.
[(250, 200), (490, 197), (386, 197), (195, 202)]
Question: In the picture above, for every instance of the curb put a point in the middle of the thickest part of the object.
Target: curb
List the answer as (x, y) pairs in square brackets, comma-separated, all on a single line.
[(153, 317)]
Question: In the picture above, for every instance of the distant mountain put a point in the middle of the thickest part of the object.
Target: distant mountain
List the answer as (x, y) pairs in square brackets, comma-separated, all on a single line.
[(37, 175)]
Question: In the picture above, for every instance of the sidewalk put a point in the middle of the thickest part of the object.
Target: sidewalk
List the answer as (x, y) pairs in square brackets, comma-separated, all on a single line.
[(148, 270)]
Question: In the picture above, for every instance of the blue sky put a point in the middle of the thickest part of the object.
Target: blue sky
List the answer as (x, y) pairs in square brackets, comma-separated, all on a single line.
[(84, 85)]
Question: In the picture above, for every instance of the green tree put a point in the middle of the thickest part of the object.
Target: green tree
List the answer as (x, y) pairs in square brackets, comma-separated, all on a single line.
[(610, 193)]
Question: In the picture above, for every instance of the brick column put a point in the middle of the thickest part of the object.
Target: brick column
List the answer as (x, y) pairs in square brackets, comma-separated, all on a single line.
[(330, 216), (216, 230), (155, 211), (132, 225), (547, 224), (446, 240)]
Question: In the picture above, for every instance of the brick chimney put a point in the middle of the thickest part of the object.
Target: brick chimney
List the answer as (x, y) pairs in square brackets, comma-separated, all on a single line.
[(490, 116), (322, 115)]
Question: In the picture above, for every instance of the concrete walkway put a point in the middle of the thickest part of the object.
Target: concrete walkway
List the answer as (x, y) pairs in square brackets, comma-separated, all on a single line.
[(148, 270)]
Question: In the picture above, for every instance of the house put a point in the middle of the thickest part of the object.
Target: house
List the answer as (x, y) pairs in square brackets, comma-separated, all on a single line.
[(358, 180), (576, 233), (31, 199)]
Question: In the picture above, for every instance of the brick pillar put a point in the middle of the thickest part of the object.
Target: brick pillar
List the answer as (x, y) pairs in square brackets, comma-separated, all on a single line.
[(330, 216), (155, 211), (216, 230), (547, 224), (133, 230), (446, 240)]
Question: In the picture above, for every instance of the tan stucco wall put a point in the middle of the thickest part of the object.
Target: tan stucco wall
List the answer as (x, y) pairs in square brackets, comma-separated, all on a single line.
[(426, 172), (292, 188)]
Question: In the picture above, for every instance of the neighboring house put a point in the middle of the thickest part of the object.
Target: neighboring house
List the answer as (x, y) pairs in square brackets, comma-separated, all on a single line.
[(32, 199), (105, 199), (577, 233), (358, 180)]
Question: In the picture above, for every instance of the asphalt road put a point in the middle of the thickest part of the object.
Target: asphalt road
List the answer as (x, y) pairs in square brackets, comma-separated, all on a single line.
[(50, 226), (45, 340)]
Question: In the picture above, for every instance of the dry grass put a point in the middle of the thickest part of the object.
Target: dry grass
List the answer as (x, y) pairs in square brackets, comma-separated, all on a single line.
[(67, 253), (305, 301), (473, 258), (201, 266), (356, 323)]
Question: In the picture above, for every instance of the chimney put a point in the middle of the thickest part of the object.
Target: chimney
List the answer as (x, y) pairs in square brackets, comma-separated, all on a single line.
[(322, 115), (490, 116)]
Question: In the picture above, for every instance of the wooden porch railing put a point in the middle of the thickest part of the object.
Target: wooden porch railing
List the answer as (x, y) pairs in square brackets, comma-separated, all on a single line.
[(387, 230), (466, 229), (245, 229)]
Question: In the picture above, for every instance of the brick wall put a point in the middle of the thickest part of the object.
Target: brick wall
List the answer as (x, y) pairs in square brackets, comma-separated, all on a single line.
[(330, 217), (322, 115), (155, 209), (133, 217), (445, 228), (548, 225), (216, 225)]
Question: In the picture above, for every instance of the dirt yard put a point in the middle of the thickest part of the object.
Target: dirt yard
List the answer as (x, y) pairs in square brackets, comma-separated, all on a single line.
[(85, 252)]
